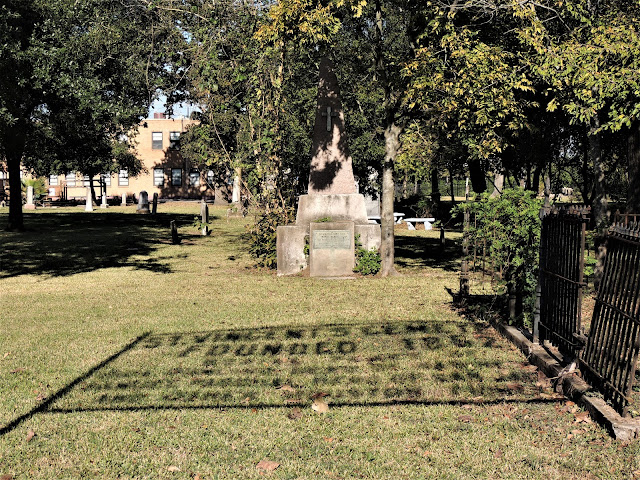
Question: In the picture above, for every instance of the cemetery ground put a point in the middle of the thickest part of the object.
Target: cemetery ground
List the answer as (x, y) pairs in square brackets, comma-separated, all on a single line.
[(125, 356)]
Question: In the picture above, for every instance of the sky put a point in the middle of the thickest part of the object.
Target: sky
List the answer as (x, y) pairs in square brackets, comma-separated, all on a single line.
[(180, 109)]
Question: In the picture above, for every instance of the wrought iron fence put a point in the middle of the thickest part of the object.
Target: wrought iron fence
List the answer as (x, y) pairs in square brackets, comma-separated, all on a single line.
[(611, 355), (561, 279)]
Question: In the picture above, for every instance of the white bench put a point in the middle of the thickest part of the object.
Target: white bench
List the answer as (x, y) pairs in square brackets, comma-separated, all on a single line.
[(428, 222), (397, 218)]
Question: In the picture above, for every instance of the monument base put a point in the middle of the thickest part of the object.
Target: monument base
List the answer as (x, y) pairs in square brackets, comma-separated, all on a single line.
[(290, 241), (334, 207), (29, 206), (370, 236)]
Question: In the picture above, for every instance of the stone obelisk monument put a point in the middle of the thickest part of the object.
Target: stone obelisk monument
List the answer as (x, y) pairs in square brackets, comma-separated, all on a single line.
[(332, 212)]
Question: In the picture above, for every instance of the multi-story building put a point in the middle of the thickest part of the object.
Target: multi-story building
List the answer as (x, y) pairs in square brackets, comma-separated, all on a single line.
[(165, 172)]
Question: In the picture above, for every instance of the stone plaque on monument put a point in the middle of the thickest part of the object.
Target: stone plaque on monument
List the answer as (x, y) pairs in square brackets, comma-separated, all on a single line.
[(331, 249)]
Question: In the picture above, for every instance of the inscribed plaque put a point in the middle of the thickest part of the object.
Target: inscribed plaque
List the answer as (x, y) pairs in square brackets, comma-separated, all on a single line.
[(331, 239)]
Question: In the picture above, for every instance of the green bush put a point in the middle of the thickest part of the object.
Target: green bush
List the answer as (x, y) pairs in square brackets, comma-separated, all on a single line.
[(511, 226), (368, 262), (262, 234)]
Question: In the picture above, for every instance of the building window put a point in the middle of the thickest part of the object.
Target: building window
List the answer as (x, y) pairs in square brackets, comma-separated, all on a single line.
[(194, 178), (176, 177), (53, 180), (71, 179), (4, 175), (86, 181), (106, 178), (156, 140), (123, 178), (158, 177), (174, 140)]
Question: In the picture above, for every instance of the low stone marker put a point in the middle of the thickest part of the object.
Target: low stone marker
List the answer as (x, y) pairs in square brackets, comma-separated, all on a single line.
[(124, 200), (104, 203), (30, 205), (204, 213), (175, 238), (143, 202), (88, 206), (154, 208)]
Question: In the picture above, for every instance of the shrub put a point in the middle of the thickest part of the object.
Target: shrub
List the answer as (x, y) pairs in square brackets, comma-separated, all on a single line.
[(368, 262)]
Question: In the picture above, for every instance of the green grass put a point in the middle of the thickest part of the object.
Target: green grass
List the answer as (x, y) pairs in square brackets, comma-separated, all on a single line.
[(130, 357)]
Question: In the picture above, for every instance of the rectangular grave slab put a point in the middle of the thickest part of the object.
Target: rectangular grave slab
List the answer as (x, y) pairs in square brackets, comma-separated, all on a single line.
[(331, 249)]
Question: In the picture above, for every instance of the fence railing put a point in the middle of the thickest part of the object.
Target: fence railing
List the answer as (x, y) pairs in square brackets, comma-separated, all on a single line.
[(611, 355), (561, 279)]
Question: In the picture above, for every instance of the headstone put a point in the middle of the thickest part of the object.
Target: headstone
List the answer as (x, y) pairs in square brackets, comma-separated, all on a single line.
[(104, 203), (204, 213), (331, 249), (88, 205), (30, 205), (154, 208), (332, 195), (175, 238), (143, 202), (124, 200)]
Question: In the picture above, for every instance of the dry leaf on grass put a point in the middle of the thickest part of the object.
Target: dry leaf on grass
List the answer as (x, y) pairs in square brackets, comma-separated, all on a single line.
[(17, 370), (287, 388), (173, 468), (319, 405), (543, 381), (465, 418), (295, 414), (583, 417), (30, 435), (7, 354), (267, 465), (6, 477)]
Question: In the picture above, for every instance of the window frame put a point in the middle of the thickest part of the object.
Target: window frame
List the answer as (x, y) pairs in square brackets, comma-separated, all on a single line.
[(156, 144), (173, 177)]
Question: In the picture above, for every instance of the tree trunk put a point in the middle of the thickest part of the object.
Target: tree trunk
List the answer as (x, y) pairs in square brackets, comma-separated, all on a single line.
[(387, 245), (477, 176), (633, 156), (599, 206), (14, 147)]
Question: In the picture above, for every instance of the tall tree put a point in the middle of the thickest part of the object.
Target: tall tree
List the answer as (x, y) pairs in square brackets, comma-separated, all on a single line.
[(79, 77)]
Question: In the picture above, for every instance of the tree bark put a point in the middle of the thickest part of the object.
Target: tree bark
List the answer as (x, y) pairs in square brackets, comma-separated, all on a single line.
[(498, 185), (387, 245), (633, 157), (14, 148), (477, 176)]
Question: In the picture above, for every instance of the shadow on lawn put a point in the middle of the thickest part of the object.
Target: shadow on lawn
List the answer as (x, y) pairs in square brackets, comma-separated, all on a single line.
[(415, 251), (60, 244), (395, 363)]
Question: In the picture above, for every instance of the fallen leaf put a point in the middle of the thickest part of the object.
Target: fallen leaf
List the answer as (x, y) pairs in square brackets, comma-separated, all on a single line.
[(319, 405), (583, 417), (328, 439), (529, 368), (287, 388), (543, 381), (295, 414), (427, 453), (6, 477), (267, 465), (30, 435), (516, 387), (197, 477), (41, 397), (465, 418), (17, 370), (319, 395), (497, 454), (6, 354), (173, 468)]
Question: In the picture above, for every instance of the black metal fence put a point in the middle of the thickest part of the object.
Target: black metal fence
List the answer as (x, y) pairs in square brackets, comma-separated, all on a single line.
[(561, 279), (611, 355)]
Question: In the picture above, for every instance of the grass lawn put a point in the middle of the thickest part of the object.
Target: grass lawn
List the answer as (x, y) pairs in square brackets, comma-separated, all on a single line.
[(124, 356)]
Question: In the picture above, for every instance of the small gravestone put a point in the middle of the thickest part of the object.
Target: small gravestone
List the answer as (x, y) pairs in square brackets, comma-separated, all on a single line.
[(175, 238), (154, 208), (204, 213), (104, 203), (143, 202), (30, 205), (88, 205), (124, 200)]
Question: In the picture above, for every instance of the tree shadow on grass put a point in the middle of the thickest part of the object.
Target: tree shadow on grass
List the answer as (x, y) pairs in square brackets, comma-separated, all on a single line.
[(61, 244), (416, 251), (366, 364)]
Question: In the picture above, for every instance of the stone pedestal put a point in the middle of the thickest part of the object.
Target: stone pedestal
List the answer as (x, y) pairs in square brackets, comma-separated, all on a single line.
[(124, 200), (104, 203), (335, 207), (30, 205)]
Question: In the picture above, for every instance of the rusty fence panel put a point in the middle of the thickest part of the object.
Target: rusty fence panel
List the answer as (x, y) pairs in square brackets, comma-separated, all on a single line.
[(611, 354), (561, 279)]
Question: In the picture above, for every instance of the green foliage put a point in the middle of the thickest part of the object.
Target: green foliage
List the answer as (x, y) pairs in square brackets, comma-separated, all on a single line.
[(39, 188), (368, 262), (262, 234), (510, 225)]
